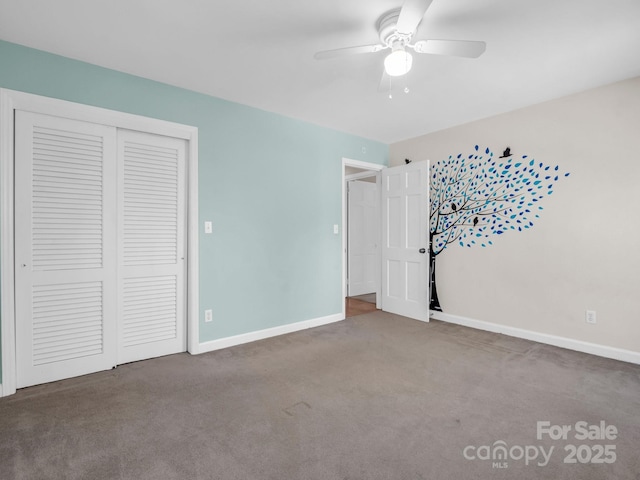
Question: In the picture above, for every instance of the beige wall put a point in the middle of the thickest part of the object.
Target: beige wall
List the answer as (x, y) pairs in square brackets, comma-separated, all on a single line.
[(584, 250)]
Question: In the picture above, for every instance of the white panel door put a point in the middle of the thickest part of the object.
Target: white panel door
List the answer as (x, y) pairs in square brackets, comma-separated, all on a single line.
[(151, 224), (362, 237), (65, 250), (405, 259)]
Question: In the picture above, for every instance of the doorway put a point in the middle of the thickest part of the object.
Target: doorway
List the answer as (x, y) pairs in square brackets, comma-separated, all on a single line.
[(361, 228), (402, 264)]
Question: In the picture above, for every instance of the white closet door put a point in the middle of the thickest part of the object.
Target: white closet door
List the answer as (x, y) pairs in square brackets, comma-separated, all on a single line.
[(362, 237), (151, 225), (65, 252)]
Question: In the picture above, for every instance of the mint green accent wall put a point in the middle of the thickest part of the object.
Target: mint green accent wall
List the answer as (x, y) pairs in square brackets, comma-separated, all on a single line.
[(270, 185)]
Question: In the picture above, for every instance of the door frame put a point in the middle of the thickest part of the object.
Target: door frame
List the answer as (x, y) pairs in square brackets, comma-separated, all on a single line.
[(11, 100), (375, 168)]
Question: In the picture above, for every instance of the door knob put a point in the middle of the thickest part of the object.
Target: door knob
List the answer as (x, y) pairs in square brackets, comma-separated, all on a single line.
[(422, 250)]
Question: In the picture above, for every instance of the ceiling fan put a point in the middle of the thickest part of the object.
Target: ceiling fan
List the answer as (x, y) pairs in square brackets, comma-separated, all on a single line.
[(396, 30)]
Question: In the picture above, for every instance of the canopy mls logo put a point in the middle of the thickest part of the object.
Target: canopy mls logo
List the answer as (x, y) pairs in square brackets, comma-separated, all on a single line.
[(500, 453)]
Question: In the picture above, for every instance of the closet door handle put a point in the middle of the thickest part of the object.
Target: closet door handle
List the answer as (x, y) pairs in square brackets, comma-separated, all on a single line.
[(422, 250)]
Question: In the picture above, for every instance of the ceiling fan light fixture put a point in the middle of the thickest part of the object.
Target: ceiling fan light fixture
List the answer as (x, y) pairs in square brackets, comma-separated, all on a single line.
[(398, 62)]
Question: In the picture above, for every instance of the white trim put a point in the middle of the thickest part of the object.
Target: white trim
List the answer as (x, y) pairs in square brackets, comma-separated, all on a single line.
[(193, 249), (1, 395), (11, 100), (349, 162), (267, 333), (374, 167), (563, 342), (7, 307)]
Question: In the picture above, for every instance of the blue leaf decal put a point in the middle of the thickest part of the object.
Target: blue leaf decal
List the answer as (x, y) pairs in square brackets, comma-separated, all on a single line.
[(480, 188)]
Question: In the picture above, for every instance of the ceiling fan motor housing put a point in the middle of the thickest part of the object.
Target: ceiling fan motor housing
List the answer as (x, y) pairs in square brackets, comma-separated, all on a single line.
[(389, 35)]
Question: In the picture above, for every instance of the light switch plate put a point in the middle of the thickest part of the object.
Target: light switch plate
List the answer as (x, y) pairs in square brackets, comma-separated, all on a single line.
[(208, 227), (335, 229)]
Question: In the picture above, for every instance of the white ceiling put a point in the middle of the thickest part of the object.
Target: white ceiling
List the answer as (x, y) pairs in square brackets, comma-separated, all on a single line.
[(260, 53)]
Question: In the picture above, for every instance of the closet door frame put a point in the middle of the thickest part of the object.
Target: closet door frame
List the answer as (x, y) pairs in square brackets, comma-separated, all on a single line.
[(10, 101)]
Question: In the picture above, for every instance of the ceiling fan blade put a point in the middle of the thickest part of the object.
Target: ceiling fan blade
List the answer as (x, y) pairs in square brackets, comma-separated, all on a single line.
[(411, 15), (341, 52), (456, 48)]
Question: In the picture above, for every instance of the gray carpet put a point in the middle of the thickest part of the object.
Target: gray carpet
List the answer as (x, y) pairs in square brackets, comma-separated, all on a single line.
[(374, 397)]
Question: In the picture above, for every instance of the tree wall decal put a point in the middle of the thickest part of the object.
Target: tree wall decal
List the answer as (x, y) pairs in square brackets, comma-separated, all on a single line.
[(476, 196)]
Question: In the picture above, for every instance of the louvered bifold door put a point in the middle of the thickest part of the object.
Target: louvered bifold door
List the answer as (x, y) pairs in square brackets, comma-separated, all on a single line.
[(65, 248), (152, 245)]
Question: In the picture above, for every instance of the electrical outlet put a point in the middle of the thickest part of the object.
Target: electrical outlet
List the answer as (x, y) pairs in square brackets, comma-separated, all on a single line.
[(208, 315), (590, 316)]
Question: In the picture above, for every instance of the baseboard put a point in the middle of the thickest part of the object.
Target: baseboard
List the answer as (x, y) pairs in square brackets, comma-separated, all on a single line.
[(563, 342), (267, 333)]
